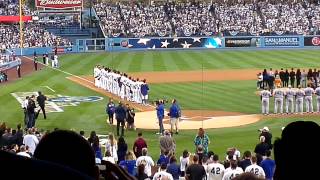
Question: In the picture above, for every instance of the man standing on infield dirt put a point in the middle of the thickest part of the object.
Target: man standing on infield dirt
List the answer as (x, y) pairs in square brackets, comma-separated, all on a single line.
[(175, 114)]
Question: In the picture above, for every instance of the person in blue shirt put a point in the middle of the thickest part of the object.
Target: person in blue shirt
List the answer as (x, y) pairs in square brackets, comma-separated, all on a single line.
[(129, 163), (164, 158), (160, 115), (144, 92), (268, 165), (173, 168), (175, 114)]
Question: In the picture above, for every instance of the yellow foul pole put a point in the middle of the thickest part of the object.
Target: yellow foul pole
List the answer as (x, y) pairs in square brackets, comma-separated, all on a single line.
[(21, 23)]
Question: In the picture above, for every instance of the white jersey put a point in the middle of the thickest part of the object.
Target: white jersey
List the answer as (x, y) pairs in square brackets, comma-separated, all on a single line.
[(232, 173), (290, 93), (215, 171), (317, 91), (265, 94), (278, 93), (300, 93), (162, 175), (256, 170), (147, 161), (308, 91)]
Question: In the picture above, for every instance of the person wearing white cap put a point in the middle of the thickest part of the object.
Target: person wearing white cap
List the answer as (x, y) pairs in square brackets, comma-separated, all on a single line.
[(265, 96), (308, 98), (278, 99), (317, 92), (290, 93), (267, 135), (299, 100)]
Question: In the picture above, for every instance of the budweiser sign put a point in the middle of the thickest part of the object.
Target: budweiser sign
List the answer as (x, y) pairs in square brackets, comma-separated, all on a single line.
[(58, 4)]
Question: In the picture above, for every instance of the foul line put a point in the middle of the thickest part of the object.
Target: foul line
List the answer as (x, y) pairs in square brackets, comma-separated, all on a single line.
[(65, 72), (49, 88)]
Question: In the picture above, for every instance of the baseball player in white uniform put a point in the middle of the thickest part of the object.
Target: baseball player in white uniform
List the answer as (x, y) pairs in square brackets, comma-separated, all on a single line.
[(278, 100), (290, 93), (265, 96), (233, 171), (255, 169), (308, 98), (299, 100), (96, 74), (215, 170), (317, 92)]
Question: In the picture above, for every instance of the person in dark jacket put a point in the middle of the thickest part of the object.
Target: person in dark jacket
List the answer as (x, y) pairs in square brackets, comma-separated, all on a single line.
[(292, 76), (262, 147), (130, 117), (268, 136), (286, 78), (298, 77), (281, 74), (110, 110), (31, 113), (121, 113), (41, 99)]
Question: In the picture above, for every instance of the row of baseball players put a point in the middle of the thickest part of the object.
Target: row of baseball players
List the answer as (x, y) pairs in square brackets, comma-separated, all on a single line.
[(292, 97), (121, 84)]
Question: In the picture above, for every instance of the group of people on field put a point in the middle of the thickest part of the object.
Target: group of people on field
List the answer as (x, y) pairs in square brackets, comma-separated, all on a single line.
[(121, 84), (283, 78)]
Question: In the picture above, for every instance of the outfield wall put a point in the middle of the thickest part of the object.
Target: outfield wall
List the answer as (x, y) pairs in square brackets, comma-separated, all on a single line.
[(165, 43)]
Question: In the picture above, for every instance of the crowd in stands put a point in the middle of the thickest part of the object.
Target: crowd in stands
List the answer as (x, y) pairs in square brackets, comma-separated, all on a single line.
[(11, 8), (34, 36), (201, 163), (243, 17)]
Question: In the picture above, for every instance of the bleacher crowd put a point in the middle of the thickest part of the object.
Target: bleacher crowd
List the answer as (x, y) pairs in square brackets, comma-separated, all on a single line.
[(197, 164), (243, 17)]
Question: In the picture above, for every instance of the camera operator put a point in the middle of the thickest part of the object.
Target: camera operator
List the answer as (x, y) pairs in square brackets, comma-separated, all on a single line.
[(160, 114)]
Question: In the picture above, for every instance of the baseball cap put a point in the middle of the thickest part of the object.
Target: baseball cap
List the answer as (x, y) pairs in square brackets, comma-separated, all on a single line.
[(264, 129), (289, 86)]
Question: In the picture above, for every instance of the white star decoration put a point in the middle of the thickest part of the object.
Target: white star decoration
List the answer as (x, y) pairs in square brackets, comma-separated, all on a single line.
[(165, 44), (143, 41), (196, 40), (175, 39), (130, 45), (186, 45)]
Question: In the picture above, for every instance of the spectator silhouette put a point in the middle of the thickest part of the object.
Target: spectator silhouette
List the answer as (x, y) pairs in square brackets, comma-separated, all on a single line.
[(297, 138), (69, 149)]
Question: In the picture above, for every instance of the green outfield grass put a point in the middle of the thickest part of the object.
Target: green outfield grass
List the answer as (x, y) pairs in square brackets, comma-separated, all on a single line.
[(235, 96)]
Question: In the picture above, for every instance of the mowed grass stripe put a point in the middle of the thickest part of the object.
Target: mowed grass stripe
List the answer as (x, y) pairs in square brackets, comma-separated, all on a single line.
[(158, 62), (169, 62), (147, 62), (135, 65), (180, 61), (201, 63)]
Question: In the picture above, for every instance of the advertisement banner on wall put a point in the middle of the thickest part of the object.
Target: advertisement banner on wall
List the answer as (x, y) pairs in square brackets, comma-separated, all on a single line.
[(58, 4), (241, 42), (312, 41), (290, 41)]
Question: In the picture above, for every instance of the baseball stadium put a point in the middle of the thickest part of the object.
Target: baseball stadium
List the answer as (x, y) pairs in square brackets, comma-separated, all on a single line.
[(174, 84)]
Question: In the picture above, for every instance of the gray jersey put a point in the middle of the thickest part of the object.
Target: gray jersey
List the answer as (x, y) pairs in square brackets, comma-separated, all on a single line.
[(308, 91), (317, 91), (290, 93), (278, 93), (300, 93), (265, 94)]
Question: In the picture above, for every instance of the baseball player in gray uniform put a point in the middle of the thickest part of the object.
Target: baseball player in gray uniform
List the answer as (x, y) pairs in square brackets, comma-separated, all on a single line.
[(317, 92), (278, 100), (308, 98), (299, 100), (265, 96), (289, 99)]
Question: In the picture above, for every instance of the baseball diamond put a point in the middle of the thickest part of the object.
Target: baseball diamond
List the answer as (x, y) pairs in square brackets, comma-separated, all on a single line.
[(211, 89)]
